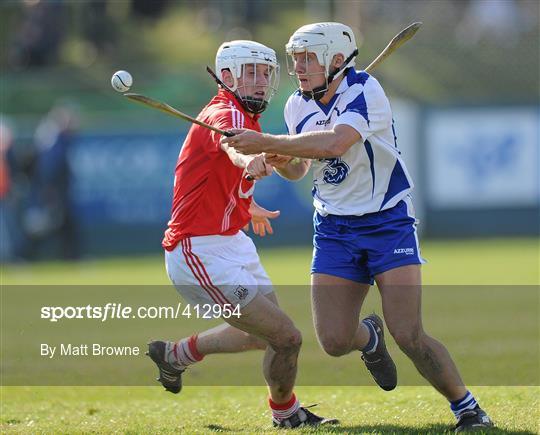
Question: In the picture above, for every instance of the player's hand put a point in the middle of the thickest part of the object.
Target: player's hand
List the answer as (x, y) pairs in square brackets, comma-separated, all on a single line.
[(245, 141), (260, 219), (258, 168), (277, 160)]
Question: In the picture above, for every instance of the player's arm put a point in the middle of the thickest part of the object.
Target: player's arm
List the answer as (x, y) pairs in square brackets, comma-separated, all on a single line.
[(253, 164), (288, 167), (357, 123), (256, 166), (226, 119), (235, 157), (310, 145)]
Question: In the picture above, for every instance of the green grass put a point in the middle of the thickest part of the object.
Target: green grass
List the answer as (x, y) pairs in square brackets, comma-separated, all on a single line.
[(481, 262), (488, 349), (229, 409)]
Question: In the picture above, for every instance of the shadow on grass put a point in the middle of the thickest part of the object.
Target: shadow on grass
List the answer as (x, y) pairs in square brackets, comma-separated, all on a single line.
[(384, 429), (218, 428), (395, 429)]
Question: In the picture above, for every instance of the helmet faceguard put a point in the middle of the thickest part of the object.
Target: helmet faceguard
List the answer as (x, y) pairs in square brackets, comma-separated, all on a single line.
[(254, 97), (247, 60), (325, 40)]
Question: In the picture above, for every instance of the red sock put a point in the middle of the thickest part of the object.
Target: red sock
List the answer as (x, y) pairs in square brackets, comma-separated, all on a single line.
[(192, 344)]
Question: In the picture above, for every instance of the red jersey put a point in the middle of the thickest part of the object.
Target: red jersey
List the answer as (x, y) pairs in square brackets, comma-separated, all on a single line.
[(211, 195)]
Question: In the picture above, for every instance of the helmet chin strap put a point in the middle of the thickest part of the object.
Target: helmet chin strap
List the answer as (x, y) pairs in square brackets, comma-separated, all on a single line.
[(253, 105), (318, 92)]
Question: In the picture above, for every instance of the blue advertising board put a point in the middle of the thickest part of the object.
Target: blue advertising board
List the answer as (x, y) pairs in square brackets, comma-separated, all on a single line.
[(122, 191)]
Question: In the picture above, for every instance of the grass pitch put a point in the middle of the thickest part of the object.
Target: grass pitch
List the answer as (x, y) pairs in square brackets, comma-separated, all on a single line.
[(234, 410), (361, 409), (479, 262)]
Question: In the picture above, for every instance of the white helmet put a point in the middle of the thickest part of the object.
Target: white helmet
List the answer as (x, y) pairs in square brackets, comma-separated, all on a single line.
[(234, 55), (325, 40)]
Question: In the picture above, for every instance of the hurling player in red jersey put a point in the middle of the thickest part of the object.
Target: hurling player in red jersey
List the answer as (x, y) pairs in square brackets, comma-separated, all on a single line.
[(209, 259)]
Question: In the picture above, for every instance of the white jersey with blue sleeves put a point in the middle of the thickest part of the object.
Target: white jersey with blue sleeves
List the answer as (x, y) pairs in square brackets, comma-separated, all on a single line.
[(370, 176)]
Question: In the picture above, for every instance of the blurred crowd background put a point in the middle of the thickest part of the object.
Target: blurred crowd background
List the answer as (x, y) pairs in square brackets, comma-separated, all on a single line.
[(84, 172)]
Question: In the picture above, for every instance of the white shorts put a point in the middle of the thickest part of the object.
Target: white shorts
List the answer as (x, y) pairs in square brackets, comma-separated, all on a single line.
[(217, 270)]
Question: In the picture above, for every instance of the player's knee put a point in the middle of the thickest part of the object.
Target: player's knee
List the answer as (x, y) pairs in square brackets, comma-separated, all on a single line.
[(335, 346), (408, 340), (289, 341)]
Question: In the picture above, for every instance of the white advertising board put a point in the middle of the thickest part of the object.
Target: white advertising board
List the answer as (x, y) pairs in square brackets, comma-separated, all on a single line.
[(483, 157)]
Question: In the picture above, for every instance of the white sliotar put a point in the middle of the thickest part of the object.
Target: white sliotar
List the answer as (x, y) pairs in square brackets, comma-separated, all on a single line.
[(121, 81)]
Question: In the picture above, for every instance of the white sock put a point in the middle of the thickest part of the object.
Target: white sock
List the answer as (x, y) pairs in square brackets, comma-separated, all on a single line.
[(284, 411), (468, 402)]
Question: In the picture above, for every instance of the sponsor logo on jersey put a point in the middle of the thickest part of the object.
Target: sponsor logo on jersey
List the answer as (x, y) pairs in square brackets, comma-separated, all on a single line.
[(335, 171), (324, 122), (241, 292), (406, 251)]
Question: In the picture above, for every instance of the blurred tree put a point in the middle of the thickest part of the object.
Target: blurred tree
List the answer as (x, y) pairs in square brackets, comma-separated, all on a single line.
[(96, 24), (152, 9), (167, 53), (37, 39)]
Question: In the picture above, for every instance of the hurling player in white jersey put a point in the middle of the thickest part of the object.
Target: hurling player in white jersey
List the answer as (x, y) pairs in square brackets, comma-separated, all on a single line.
[(340, 123)]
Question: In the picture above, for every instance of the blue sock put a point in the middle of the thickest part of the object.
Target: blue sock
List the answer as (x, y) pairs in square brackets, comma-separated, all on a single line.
[(467, 403), (373, 337)]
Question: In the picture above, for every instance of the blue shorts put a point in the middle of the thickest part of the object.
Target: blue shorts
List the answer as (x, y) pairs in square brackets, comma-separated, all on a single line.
[(359, 247)]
